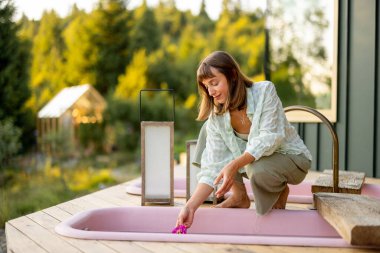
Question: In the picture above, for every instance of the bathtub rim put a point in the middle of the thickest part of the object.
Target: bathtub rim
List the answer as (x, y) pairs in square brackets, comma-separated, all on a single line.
[(65, 228)]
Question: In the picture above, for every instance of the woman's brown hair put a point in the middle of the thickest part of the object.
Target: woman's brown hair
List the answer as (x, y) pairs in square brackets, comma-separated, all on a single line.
[(237, 82)]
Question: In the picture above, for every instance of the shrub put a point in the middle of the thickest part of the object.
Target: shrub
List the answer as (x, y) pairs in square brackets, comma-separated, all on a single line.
[(9, 140)]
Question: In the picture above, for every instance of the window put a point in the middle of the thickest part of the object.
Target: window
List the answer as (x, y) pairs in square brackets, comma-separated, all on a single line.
[(302, 54)]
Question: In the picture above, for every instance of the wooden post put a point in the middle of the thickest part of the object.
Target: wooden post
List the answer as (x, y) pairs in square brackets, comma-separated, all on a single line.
[(54, 132), (157, 162), (191, 170), (355, 217), (46, 132)]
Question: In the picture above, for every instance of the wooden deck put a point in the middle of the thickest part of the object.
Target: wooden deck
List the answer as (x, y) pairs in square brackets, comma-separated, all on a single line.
[(35, 232)]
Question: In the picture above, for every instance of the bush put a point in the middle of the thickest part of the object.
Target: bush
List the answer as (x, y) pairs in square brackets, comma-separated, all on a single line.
[(91, 135), (123, 117), (58, 144), (9, 140)]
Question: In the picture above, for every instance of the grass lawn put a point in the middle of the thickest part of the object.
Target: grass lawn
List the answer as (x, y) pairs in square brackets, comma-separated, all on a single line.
[(27, 187)]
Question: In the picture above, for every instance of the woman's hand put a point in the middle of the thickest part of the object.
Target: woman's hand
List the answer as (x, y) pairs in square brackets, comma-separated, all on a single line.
[(229, 171), (200, 194), (228, 175), (185, 217)]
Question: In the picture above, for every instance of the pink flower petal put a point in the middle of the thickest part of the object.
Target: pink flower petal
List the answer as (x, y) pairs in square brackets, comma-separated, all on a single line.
[(180, 229)]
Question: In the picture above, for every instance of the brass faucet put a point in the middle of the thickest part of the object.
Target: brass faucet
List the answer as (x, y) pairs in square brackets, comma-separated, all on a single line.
[(335, 157)]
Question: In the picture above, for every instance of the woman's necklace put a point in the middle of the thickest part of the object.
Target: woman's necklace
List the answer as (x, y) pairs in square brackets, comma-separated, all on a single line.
[(242, 121), (242, 117)]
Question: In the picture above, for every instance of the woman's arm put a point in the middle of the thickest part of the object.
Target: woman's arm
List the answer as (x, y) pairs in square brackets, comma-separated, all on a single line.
[(200, 194), (229, 171)]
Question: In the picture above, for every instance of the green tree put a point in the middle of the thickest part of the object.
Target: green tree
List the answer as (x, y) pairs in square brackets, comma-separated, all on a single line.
[(190, 50), (134, 78), (28, 29), (47, 70), (13, 72), (145, 33), (243, 37), (245, 40), (74, 12), (226, 18), (170, 20), (203, 22), (14, 59), (97, 45), (163, 71), (230, 9), (80, 54), (110, 34)]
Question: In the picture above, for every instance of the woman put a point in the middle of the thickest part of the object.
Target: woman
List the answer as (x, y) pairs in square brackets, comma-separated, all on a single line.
[(247, 135)]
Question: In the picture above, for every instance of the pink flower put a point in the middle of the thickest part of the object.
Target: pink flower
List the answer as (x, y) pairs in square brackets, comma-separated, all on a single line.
[(180, 229)]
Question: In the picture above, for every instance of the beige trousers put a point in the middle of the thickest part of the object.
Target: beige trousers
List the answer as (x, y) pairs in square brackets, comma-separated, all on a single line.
[(270, 174)]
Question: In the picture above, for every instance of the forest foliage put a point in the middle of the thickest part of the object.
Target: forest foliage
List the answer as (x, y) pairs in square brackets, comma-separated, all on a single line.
[(121, 51)]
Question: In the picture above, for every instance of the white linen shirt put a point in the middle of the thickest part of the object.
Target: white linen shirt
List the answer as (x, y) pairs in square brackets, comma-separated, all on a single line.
[(270, 132)]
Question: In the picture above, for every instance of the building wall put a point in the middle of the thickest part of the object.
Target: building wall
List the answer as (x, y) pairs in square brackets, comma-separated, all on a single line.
[(358, 124)]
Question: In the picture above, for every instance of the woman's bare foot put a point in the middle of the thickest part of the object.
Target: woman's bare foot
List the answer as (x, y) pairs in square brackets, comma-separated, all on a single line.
[(281, 202), (238, 199)]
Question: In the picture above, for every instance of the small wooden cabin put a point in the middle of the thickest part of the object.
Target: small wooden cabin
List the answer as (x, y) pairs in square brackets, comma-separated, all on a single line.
[(72, 106)]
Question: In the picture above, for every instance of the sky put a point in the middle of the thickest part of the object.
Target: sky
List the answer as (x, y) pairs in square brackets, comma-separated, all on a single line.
[(33, 9)]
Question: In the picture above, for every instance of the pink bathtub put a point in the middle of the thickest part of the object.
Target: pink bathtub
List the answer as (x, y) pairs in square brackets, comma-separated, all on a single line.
[(211, 225), (298, 193)]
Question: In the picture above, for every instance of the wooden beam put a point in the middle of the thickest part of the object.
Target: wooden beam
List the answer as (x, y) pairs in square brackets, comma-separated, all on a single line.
[(349, 182), (355, 217)]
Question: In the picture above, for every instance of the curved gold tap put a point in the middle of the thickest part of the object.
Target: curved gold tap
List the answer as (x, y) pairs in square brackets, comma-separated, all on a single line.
[(335, 157)]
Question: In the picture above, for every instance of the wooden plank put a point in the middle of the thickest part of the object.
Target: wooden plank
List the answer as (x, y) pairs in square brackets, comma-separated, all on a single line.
[(254, 248), (109, 198), (19, 242), (116, 196), (70, 207), (50, 242), (49, 222), (289, 249), (98, 201), (355, 217), (230, 248), (159, 247), (119, 196), (91, 201), (85, 204), (57, 213), (194, 247), (126, 246), (349, 182)]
